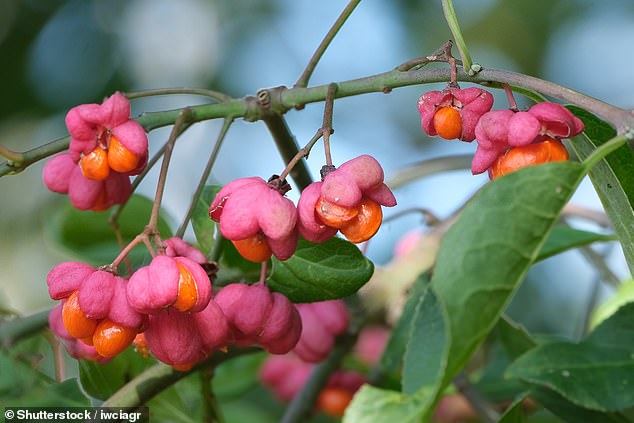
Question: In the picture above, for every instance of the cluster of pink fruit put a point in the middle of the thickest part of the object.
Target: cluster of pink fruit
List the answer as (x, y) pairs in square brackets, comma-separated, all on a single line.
[(167, 307), (106, 147), (261, 222), (507, 139)]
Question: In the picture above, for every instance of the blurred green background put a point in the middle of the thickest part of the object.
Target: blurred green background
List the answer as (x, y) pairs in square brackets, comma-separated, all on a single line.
[(56, 54)]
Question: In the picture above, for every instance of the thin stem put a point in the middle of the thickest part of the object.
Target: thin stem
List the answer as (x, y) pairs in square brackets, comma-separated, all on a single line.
[(312, 63), (159, 377), (148, 245), (420, 170), (604, 271), (302, 153), (121, 242), (58, 357), (182, 118), (452, 21), (430, 218), (117, 210), (205, 175), (11, 155), (216, 95), (216, 250), (141, 238), (263, 272), (597, 216), (510, 97), (210, 403), (419, 62), (603, 150), (287, 146), (326, 127), (484, 409)]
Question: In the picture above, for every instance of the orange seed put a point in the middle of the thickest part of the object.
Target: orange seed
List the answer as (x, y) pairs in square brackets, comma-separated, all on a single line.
[(448, 123), (120, 158), (111, 338), (187, 290), (334, 215), (365, 224), (77, 324), (255, 248), (94, 165)]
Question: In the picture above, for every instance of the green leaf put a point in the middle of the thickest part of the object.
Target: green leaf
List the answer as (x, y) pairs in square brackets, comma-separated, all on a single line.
[(318, 272), (597, 373), (205, 229), (426, 346), (613, 177), (102, 380), (514, 413), (233, 378), (570, 412), (564, 238), (392, 356), (514, 338), (624, 294), (88, 237), (372, 405), (486, 253)]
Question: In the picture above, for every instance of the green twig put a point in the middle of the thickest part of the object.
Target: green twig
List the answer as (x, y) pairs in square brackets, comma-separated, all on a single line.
[(14, 330), (452, 21), (297, 97), (118, 209), (312, 63), (205, 175), (211, 408), (216, 95), (288, 148), (152, 226), (429, 167), (157, 378)]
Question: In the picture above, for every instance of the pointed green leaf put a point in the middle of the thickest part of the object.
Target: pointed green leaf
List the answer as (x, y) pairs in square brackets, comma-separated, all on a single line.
[(597, 373), (392, 356), (563, 238), (373, 405), (515, 412), (485, 255), (102, 380), (205, 229), (426, 346), (318, 272), (613, 177), (570, 412)]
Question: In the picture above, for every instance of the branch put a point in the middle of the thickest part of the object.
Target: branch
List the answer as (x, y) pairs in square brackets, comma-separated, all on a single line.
[(288, 98), (157, 378), (216, 95), (182, 119), (312, 63), (425, 168), (287, 145), (14, 330), (485, 410)]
